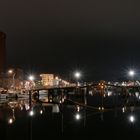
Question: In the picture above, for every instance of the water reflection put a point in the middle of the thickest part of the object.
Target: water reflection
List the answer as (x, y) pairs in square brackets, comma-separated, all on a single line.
[(71, 115), (132, 118), (78, 116), (55, 108)]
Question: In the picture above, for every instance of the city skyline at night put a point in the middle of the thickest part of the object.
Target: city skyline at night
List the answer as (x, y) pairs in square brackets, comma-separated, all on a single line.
[(99, 38)]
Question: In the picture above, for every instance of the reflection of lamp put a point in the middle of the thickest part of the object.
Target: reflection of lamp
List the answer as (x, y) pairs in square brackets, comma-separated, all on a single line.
[(31, 113), (132, 118), (12, 118), (77, 116), (10, 121), (55, 108), (41, 112)]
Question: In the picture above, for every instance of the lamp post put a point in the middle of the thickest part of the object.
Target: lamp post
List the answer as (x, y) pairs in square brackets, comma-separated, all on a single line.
[(12, 72), (31, 79), (77, 75), (131, 74)]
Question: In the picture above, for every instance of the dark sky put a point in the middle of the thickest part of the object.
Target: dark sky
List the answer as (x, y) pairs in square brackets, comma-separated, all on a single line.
[(99, 37)]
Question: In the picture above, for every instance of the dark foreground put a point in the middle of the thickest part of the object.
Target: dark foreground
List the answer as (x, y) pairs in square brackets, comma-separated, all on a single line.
[(70, 120)]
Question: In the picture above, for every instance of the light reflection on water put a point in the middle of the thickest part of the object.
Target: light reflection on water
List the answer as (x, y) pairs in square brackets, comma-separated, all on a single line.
[(71, 116)]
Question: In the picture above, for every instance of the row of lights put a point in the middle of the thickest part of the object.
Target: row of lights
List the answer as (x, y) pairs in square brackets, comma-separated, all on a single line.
[(31, 113), (77, 74), (11, 71), (131, 118)]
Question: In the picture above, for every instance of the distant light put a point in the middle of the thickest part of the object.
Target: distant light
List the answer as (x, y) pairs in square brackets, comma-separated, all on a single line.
[(10, 121), (123, 109), (109, 93), (56, 78), (63, 100), (101, 108), (77, 116), (10, 71), (132, 119), (131, 73), (27, 107), (78, 108), (41, 111), (31, 113), (77, 75), (31, 77), (137, 94)]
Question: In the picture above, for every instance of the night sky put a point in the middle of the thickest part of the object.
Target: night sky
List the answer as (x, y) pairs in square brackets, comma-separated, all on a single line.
[(99, 37)]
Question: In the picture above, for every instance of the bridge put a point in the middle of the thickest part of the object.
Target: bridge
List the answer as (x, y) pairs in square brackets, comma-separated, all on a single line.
[(83, 90)]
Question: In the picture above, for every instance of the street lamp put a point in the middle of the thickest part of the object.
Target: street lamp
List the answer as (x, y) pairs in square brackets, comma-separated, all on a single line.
[(12, 72), (31, 78), (77, 75), (131, 73)]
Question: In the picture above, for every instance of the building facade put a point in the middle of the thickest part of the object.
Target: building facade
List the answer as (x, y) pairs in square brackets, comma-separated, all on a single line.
[(47, 79)]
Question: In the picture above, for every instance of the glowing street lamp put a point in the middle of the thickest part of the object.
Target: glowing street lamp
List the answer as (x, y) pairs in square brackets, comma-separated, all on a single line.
[(12, 72), (31, 78), (77, 75), (131, 73)]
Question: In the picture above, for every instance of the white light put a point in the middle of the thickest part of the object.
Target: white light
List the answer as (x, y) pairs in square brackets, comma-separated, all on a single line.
[(27, 107), (10, 121), (10, 71), (109, 93), (131, 73), (41, 111), (123, 109), (31, 77), (137, 94), (77, 74), (78, 116), (132, 119), (78, 108), (31, 113)]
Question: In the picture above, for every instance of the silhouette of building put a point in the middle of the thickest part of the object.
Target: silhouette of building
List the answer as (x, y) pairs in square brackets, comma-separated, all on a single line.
[(2, 52)]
